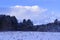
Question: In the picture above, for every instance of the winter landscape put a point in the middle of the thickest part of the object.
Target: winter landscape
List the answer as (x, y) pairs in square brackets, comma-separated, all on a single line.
[(10, 29), (29, 20)]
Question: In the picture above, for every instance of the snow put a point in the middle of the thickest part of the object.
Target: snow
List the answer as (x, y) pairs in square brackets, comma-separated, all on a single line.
[(19, 35)]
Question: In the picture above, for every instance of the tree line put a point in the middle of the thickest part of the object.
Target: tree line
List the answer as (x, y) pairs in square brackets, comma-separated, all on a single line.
[(10, 23)]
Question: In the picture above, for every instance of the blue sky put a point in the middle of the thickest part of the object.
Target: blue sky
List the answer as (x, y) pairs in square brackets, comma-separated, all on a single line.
[(45, 10), (54, 4)]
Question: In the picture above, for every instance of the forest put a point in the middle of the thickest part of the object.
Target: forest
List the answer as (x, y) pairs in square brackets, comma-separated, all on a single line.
[(10, 23)]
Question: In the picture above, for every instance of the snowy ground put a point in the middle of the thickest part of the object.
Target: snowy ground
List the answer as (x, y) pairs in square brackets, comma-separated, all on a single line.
[(29, 35)]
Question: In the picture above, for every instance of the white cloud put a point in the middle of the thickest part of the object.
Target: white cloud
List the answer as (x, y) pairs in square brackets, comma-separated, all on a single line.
[(31, 8), (27, 12)]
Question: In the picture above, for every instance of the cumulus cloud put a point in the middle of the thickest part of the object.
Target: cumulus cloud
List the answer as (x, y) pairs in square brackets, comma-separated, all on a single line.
[(27, 12), (30, 8)]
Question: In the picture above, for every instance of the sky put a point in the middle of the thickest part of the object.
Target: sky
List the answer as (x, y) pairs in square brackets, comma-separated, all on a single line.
[(39, 11)]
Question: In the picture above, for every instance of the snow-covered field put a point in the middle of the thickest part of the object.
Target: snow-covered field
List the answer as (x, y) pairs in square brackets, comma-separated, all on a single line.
[(19, 35)]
